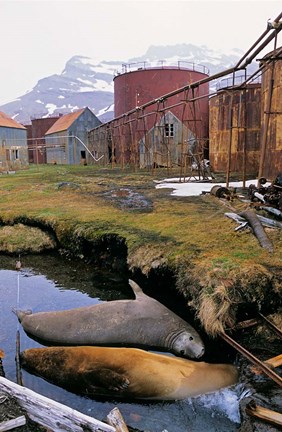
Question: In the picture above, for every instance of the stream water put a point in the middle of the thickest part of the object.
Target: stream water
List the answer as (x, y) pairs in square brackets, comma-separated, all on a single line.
[(48, 282)]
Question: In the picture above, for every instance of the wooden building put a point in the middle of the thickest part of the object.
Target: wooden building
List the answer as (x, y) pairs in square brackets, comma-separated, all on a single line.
[(169, 143), (67, 139), (13, 144)]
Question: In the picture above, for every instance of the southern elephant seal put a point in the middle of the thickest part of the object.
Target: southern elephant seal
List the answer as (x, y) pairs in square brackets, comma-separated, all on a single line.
[(126, 372), (143, 322)]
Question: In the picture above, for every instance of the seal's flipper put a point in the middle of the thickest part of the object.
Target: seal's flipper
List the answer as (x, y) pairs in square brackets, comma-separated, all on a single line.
[(21, 313), (136, 288), (106, 379)]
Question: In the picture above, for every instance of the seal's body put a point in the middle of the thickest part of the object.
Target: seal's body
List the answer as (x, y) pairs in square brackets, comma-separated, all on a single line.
[(143, 322), (126, 372)]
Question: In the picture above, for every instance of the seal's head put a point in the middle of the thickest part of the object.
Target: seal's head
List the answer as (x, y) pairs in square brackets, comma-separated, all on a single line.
[(188, 344)]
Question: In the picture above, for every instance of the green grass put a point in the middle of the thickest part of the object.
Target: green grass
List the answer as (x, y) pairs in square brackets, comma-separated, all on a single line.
[(190, 235)]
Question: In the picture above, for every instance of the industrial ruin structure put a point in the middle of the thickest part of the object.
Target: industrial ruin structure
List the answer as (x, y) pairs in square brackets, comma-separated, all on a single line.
[(165, 116), (177, 116)]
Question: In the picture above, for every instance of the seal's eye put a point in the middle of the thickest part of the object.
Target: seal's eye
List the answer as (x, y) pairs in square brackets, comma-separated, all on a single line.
[(191, 338)]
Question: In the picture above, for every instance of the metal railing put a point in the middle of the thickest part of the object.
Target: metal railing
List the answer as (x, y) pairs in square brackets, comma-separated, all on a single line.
[(162, 64)]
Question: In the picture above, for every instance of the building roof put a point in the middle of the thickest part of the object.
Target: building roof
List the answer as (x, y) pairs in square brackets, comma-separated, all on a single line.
[(64, 122), (6, 121)]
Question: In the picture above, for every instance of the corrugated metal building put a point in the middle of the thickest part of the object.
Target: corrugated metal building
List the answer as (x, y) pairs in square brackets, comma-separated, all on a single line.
[(271, 113), (36, 140), (13, 144), (234, 129), (67, 139)]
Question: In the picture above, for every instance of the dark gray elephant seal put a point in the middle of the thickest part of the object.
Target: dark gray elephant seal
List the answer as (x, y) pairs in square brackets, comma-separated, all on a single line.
[(143, 322)]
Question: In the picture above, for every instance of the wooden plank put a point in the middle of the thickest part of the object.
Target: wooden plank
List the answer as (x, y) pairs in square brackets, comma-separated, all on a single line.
[(51, 414), (272, 362), (115, 419), (12, 424), (266, 414)]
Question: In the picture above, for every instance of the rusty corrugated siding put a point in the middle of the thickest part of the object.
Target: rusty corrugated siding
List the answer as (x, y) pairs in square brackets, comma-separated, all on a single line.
[(272, 163), (36, 139), (235, 115)]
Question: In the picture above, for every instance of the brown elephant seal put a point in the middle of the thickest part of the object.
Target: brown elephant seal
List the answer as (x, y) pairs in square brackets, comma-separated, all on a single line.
[(126, 372), (143, 322)]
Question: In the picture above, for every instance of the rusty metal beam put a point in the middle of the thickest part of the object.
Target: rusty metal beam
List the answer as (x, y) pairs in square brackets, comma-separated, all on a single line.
[(253, 359), (277, 19)]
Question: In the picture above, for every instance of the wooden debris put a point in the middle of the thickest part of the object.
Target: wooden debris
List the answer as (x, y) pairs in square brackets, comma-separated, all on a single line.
[(273, 362), (274, 211), (262, 413), (12, 424), (115, 419), (51, 414), (247, 323), (267, 222)]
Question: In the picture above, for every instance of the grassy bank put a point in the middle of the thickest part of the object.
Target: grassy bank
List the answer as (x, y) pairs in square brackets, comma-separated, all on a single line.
[(216, 268)]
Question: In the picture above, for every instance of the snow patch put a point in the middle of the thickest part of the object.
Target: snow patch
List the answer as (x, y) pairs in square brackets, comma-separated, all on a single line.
[(51, 108), (194, 187), (110, 108)]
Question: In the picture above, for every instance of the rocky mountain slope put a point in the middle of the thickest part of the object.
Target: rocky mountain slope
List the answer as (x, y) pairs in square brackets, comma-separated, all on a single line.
[(88, 82)]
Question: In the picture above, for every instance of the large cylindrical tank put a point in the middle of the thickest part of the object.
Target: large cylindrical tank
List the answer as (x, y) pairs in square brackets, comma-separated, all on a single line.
[(234, 129), (141, 83), (271, 110)]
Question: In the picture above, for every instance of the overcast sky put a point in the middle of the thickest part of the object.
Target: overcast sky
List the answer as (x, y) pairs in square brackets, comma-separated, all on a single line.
[(38, 37)]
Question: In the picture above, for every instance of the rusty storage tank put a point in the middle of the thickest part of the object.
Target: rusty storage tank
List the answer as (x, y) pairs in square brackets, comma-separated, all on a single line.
[(234, 128), (271, 111), (139, 83)]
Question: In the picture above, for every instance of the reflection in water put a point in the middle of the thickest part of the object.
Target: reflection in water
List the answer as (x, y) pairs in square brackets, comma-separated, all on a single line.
[(49, 283)]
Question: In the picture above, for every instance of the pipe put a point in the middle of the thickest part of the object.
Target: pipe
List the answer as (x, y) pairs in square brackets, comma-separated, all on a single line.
[(266, 369)]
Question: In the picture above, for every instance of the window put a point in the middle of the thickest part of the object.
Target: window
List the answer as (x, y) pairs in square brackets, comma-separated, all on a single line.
[(169, 130)]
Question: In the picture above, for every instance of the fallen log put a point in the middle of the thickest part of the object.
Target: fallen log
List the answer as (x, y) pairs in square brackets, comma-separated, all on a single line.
[(12, 424), (262, 413), (51, 414), (258, 230)]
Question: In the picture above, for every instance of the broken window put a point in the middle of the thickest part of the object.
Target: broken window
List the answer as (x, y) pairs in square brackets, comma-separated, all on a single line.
[(169, 130)]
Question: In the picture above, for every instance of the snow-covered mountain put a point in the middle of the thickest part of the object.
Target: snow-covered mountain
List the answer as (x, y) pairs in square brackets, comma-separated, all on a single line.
[(89, 82)]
